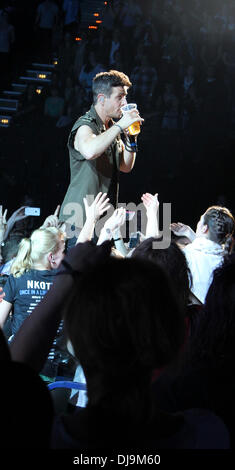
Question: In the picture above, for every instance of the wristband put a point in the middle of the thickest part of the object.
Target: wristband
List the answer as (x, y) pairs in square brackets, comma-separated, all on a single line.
[(131, 143), (119, 127)]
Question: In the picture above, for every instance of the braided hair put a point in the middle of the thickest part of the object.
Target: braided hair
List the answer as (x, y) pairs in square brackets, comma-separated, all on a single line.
[(221, 224)]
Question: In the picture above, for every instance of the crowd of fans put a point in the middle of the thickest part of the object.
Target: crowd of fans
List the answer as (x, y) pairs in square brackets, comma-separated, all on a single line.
[(148, 330), (180, 61)]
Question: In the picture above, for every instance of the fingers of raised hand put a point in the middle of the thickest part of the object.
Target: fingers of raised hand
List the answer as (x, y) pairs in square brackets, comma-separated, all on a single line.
[(85, 203), (150, 199), (5, 216), (2, 294), (56, 213), (121, 215), (103, 200), (99, 197), (176, 227)]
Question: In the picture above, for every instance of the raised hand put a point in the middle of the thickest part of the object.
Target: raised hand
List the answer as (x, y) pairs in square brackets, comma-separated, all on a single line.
[(19, 214), (52, 220), (98, 206), (116, 220), (150, 202), (182, 230), (93, 212), (151, 205), (129, 117), (3, 222), (111, 225), (2, 294)]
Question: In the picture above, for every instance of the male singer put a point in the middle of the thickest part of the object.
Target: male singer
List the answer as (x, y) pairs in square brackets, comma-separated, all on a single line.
[(96, 151)]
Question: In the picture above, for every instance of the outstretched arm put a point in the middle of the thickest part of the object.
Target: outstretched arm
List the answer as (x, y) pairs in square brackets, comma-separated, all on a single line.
[(151, 204), (19, 214), (5, 308), (182, 230), (3, 226), (114, 222), (52, 220), (93, 213)]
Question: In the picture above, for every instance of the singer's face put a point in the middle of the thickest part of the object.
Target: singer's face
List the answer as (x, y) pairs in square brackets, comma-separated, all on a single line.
[(116, 100)]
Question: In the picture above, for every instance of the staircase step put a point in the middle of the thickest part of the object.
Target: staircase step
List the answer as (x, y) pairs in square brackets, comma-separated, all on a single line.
[(19, 87), (12, 93), (33, 79), (44, 66), (41, 74), (8, 102), (9, 105)]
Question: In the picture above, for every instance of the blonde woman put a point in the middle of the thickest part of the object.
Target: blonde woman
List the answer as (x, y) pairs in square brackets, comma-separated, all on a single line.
[(32, 274)]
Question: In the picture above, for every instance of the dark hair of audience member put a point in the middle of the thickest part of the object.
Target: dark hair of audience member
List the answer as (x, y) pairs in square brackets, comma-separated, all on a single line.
[(173, 261), (221, 224), (214, 339), (10, 247), (123, 324)]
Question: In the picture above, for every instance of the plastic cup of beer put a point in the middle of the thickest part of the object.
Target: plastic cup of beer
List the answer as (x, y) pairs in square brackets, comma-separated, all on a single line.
[(134, 129)]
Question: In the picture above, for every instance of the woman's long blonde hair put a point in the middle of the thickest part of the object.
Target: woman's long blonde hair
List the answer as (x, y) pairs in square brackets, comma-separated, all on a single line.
[(33, 250)]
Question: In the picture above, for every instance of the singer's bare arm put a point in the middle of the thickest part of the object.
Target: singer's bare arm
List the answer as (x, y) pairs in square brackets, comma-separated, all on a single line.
[(92, 146), (127, 160)]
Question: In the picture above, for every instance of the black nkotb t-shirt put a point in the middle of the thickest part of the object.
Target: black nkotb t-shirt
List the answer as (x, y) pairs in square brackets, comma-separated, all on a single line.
[(25, 292)]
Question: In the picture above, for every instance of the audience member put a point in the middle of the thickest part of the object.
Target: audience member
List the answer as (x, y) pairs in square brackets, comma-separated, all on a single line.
[(3, 226), (47, 16), (117, 417), (80, 54), (118, 62), (144, 77), (54, 104), (7, 39), (31, 277), (100, 44), (210, 243), (72, 15), (173, 261), (87, 73), (168, 106), (128, 14), (66, 58), (206, 379), (111, 15)]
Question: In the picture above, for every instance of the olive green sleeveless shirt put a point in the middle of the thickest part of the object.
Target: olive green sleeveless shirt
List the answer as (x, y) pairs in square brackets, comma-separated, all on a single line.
[(88, 177)]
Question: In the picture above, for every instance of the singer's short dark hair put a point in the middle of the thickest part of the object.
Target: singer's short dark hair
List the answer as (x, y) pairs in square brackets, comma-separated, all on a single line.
[(103, 82)]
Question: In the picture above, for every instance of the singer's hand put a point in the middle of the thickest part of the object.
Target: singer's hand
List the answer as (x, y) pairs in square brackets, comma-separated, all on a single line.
[(129, 118)]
